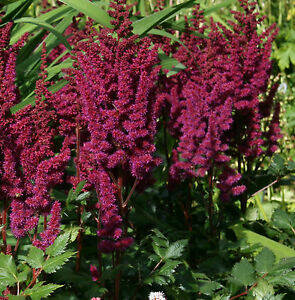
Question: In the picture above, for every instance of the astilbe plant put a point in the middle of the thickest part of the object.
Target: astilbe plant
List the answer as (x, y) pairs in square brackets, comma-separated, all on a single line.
[(30, 166), (109, 109), (218, 113), (107, 119)]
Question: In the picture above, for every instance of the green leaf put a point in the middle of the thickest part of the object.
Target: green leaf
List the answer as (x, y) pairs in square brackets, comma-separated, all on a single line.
[(283, 220), (73, 231), (279, 250), (243, 272), (47, 26), (16, 297), (83, 196), (145, 24), (285, 55), (169, 63), (23, 276), (49, 17), (79, 188), (284, 279), (175, 250), (19, 8), (160, 242), (35, 257), (209, 287), (31, 99), (91, 10), (8, 273), (160, 280), (169, 268), (6, 2), (217, 7), (42, 290), (159, 234), (262, 290), (284, 264), (53, 264), (54, 70), (166, 34), (264, 261), (277, 166), (59, 245), (160, 251)]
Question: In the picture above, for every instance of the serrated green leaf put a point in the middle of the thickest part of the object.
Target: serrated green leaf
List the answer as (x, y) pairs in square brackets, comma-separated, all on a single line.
[(35, 257), (284, 264), (55, 263), (243, 272), (169, 268), (159, 233), (209, 287), (42, 291), (283, 220), (160, 242), (8, 273), (176, 249), (264, 261), (262, 290), (83, 196), (74, 231), (16, 297), (160, 251), (285, 55), (284, 279), (59, 245), (22, 276)]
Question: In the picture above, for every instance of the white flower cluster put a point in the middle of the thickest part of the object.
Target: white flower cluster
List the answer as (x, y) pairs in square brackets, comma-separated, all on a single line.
[(157, 296)]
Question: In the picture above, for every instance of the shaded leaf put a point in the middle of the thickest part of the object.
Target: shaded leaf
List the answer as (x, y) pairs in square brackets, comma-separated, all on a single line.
[(55, 263), (243, 272), (264, 261)]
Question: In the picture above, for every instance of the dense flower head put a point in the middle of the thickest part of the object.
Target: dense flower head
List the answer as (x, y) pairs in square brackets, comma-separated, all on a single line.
[(49, 235), (33, 165), (217, 114), (9, 96), (111, 98)]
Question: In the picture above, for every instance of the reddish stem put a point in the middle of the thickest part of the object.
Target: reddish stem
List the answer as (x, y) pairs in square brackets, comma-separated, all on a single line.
[(130, 193), (16, 246), (247, 291), (45, 223)]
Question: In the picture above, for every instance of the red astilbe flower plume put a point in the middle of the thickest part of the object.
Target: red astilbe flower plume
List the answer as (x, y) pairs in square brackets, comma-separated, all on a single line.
[(34, 130), (9, 96), (219, 108), (113, 101)]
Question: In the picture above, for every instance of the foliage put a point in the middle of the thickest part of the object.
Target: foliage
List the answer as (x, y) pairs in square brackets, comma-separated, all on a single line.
[(137, 149)]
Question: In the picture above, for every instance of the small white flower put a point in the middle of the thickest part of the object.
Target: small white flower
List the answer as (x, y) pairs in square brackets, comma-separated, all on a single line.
[(282, 88), (157, 296)]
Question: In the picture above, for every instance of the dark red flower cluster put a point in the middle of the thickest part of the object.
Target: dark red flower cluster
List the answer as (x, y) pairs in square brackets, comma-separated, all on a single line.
[(30, 166), (217, 112), (108, 114), (111, 98)]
